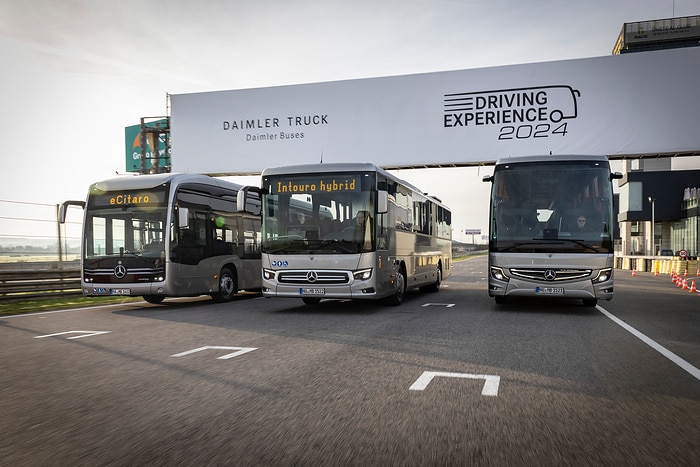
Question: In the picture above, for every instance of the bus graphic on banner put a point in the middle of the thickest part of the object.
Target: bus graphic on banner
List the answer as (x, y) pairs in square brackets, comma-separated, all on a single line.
[(538, 104)]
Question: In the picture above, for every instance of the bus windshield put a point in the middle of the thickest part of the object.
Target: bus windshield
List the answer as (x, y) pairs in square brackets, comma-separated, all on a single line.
[(320, 214), (552, 207), (126, 224)]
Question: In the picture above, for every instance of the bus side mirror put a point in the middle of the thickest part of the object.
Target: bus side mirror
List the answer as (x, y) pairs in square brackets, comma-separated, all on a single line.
[(182, 217), (615, 176), (247, 203), (487, 178), (63, 209), (382, 201), (240, 199)]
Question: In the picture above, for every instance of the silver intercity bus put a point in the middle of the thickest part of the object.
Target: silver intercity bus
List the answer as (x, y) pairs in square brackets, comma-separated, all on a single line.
[(168, 235), (350, 231), (551, 228)]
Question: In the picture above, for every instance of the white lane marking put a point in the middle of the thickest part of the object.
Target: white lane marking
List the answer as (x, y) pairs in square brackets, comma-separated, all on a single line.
[(490, 385), (448, 305), (239, 351), (83, 334), (653, 344), (67, 310)]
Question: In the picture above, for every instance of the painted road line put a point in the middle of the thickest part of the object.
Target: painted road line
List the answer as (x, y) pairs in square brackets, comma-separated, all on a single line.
[(82, 334), (653, 344), (238, 351), (490, 385)]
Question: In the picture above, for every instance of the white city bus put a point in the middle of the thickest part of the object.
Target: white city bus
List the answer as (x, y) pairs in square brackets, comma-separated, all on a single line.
[(551, 228), (168, 235), (350, 231)]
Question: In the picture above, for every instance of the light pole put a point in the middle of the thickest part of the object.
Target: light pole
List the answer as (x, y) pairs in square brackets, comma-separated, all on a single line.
[(653, 247)]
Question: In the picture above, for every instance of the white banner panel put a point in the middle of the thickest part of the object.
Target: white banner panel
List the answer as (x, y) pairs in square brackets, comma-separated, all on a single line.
[(622, 105)]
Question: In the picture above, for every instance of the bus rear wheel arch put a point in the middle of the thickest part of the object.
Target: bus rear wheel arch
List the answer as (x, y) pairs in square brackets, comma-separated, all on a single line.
[(435, 286), (228, 285)]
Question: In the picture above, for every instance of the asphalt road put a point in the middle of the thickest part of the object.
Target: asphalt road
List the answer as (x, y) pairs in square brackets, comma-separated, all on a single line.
[(447, 378)]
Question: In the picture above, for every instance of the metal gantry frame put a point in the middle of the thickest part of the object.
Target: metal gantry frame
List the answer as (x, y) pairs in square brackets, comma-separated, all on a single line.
[(154, 131)]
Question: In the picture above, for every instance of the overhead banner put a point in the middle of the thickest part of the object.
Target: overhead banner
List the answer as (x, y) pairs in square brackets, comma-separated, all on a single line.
[(622, 105)]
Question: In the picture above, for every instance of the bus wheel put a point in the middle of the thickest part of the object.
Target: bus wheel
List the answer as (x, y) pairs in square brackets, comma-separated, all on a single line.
[(311, 300), (400, 291), (590, 302), (228, 286), (501, 299), (155, 299)]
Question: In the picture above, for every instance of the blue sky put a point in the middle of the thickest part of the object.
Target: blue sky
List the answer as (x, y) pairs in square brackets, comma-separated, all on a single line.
[(76, 72)]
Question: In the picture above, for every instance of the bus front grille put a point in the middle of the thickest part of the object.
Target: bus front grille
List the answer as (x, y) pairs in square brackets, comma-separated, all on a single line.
[(313, 277), (551, 274)]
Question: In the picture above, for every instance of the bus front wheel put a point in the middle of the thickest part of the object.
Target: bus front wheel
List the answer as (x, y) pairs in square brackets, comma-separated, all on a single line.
[(400, 291), (155, 299), (228, 286)]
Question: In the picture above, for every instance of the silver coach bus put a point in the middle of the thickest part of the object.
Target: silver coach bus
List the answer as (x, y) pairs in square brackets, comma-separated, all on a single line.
[(350, 231), (551, 228), (168, 235)]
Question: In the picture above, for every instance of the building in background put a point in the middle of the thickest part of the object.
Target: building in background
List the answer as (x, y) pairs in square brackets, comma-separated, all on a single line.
[(650, 192), (658, 34), (658, 206)]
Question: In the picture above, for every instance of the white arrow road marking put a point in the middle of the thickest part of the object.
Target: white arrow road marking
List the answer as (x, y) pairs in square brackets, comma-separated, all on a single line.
[(490, 385), (239, 351), (83, 334), (448, 305)]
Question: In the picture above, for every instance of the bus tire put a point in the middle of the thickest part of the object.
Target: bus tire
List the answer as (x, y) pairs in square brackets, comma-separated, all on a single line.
[(590, 302), (501, 299), (311, 300), (228, 286), (397, 297), (154, 299)]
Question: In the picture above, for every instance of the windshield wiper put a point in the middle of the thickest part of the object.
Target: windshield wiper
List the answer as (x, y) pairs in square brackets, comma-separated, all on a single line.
[(559, 241), (519, 244), (581, 243)]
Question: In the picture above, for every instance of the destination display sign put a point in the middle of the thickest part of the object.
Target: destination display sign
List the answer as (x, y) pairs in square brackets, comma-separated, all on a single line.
[(128, 198), (324, 184)]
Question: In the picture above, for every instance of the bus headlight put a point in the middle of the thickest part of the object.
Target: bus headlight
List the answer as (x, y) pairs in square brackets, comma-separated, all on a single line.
[(268, 274), (604, 275), (497, 273), (362, 275)]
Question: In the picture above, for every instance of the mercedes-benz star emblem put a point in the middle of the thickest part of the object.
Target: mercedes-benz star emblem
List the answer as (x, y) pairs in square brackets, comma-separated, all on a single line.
[(550, 275), (120, 271), (311, 276)]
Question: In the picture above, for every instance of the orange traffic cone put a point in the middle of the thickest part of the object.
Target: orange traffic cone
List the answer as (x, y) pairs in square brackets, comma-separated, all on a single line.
[(685, 284), (634, 272), (692, 286)]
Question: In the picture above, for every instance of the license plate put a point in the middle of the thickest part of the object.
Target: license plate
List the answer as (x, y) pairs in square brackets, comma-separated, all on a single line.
[(550, 290), (311, 291), (120, 291)]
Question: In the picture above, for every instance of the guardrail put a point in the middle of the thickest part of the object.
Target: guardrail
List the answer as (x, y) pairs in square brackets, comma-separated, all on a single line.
[(28, 285)]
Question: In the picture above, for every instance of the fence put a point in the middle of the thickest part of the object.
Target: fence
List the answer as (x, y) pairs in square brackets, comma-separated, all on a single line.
[(33, 284), (29, 231)]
